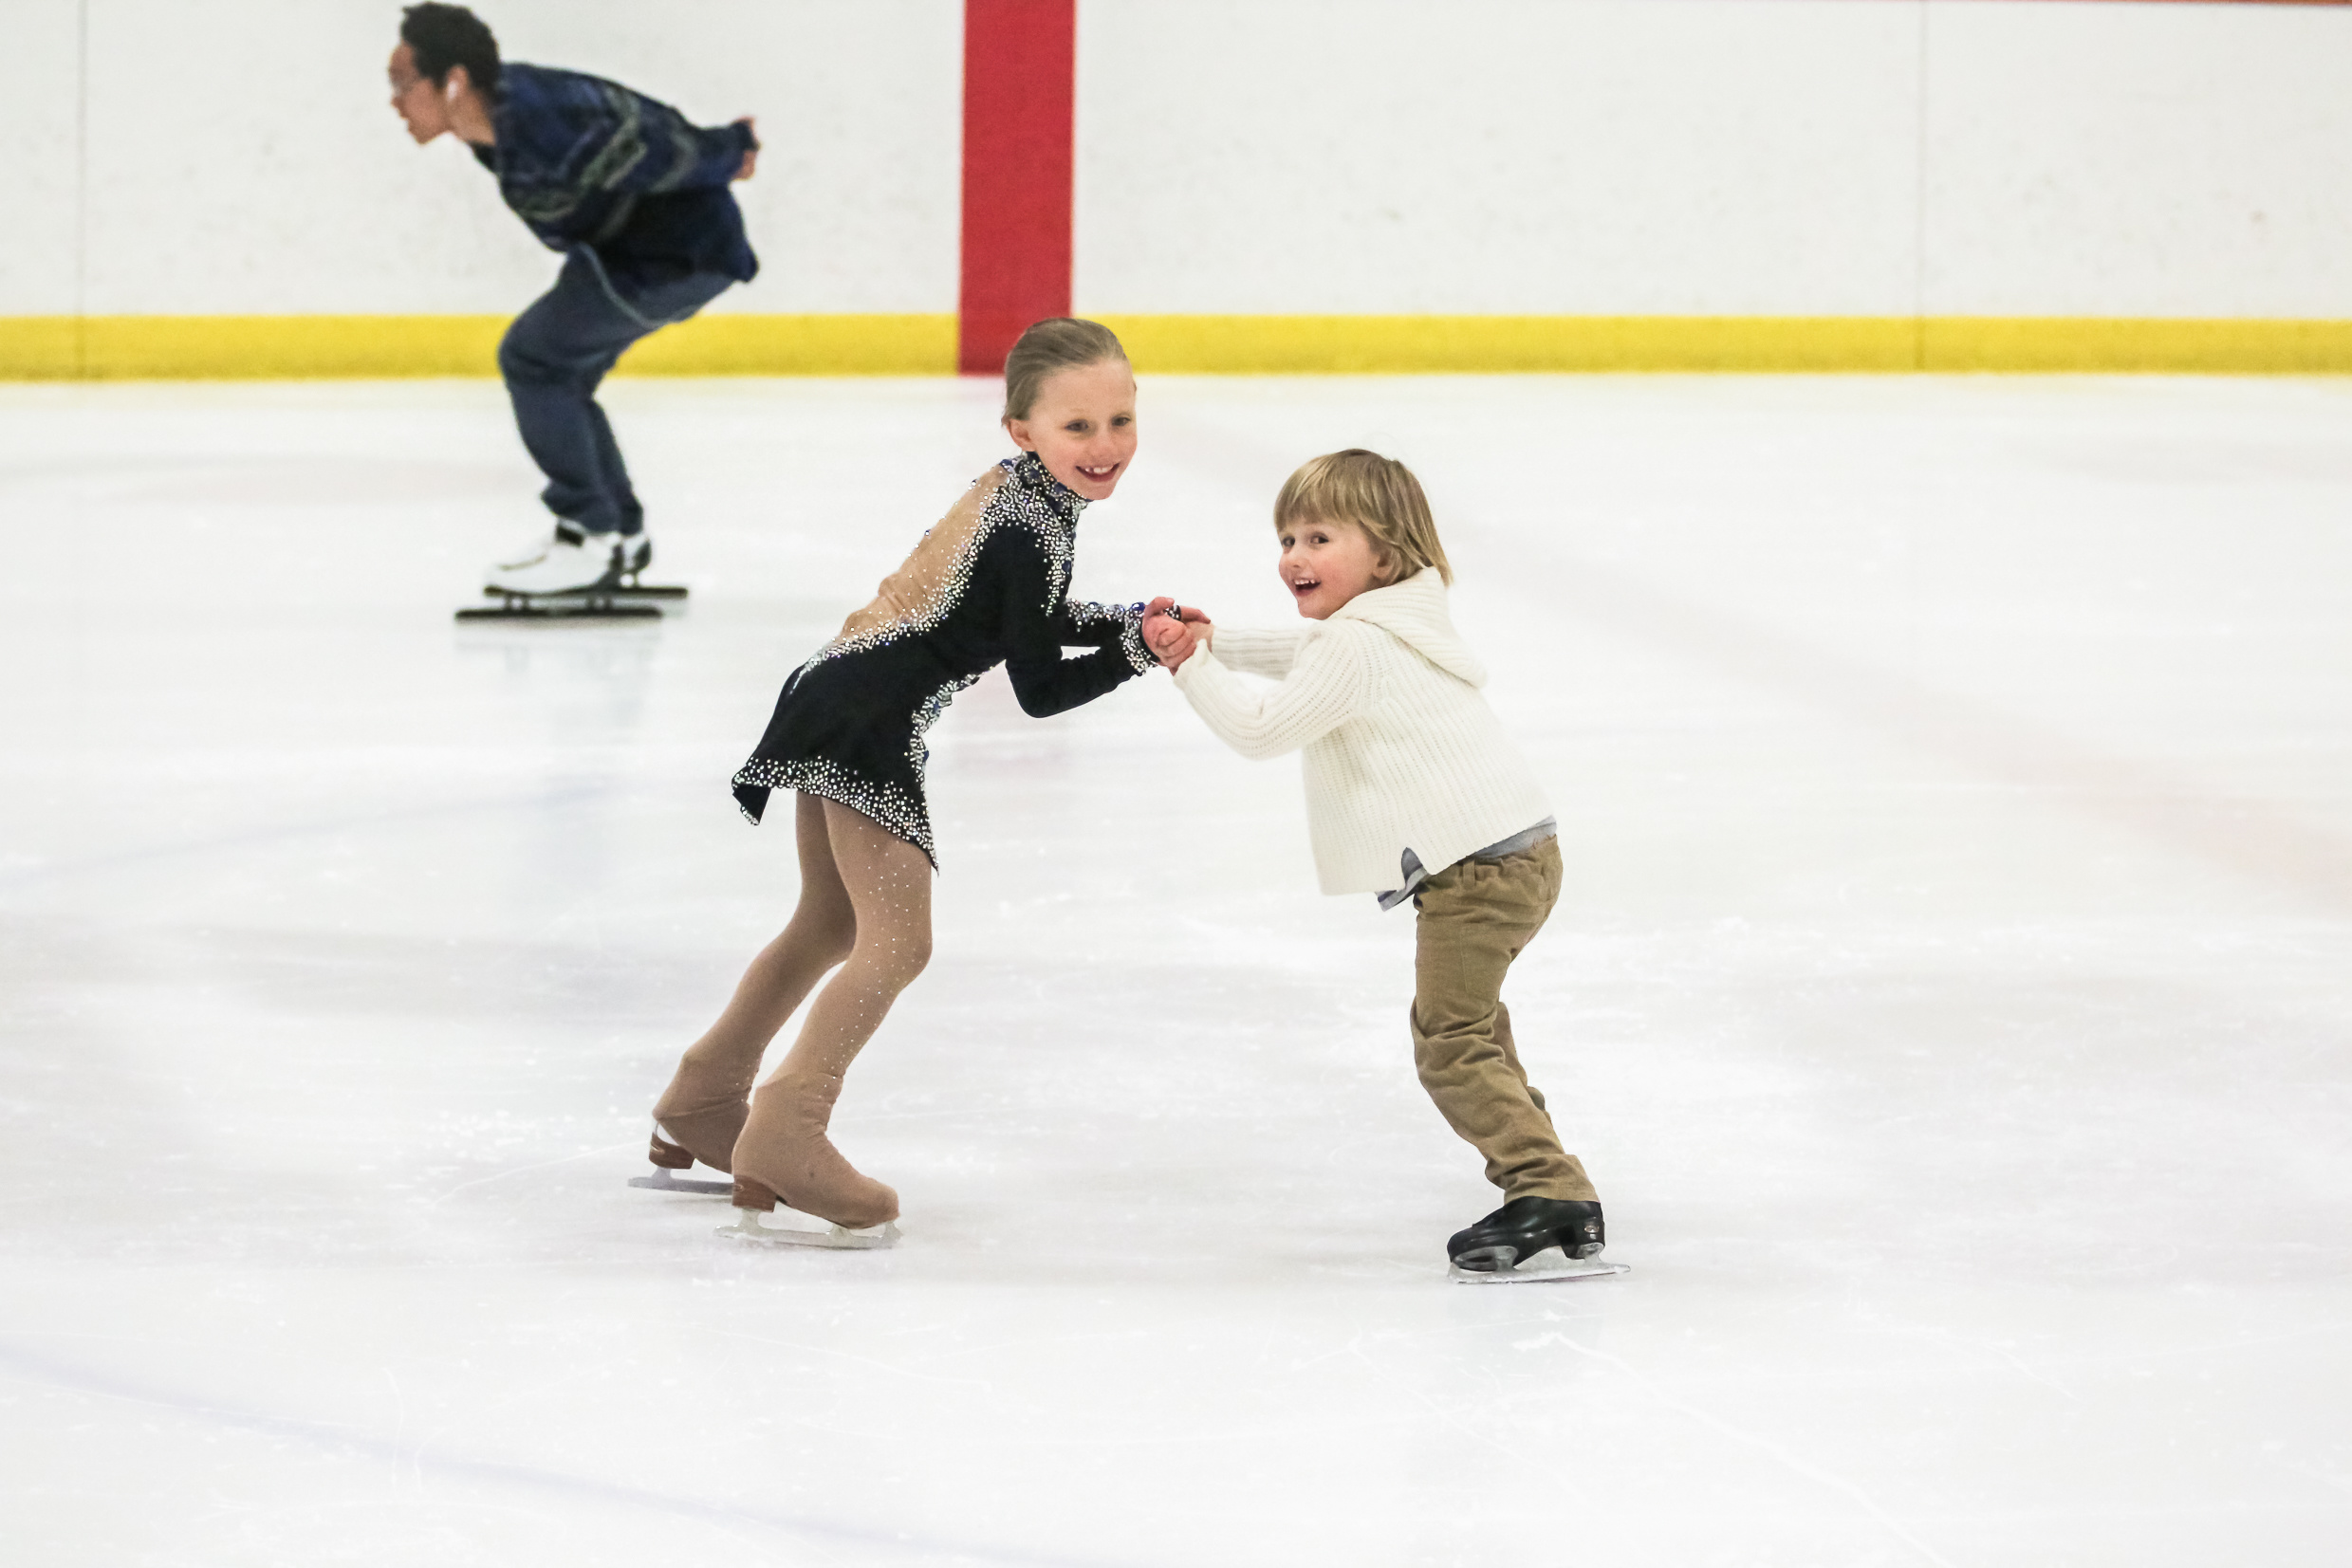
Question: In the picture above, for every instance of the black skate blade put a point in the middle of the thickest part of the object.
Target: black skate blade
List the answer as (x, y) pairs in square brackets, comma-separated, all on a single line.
[(618, 590), (593, 610), (1550, 1266), (661, 1181), (626, 601)]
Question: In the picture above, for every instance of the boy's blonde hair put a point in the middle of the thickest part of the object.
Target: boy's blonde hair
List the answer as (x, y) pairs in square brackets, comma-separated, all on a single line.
[(1379, 495), (1058, 342)]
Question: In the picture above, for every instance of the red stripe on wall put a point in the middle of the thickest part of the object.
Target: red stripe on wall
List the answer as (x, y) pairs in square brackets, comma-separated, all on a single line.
[(1020, 59)]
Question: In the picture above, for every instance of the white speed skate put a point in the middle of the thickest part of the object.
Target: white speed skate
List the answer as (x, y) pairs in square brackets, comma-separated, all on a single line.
[(571, 575), (571, 563), (531, 552)]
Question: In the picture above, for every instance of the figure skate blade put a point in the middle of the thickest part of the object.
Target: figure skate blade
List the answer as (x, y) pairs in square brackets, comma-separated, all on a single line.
[(748, 1230), (1550, 1266)]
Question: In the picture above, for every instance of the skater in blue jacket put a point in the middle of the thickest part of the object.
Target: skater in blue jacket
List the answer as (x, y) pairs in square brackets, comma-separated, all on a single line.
[(637, 200)]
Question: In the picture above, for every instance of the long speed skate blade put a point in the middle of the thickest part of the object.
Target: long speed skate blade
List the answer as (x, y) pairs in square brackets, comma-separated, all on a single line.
[(748, 1229), (661, 1181), (610, 590), (1550, 1266), (575, 609)]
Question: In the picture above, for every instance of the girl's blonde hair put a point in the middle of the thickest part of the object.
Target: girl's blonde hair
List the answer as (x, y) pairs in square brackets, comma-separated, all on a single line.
[(1379, 495), (1058, 342)]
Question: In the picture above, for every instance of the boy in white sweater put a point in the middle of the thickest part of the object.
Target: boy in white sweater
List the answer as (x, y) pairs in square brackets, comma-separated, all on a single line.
[(1413, 791)]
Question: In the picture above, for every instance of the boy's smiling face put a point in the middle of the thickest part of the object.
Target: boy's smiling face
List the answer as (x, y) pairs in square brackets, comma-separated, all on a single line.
[(1326, 563)]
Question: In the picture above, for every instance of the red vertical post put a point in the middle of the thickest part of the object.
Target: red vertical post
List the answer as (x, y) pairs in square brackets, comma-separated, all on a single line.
[(1020, 63)]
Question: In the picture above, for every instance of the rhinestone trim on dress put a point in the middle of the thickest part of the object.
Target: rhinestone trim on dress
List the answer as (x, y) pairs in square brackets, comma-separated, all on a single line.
[(1025, 496), (886, 805)]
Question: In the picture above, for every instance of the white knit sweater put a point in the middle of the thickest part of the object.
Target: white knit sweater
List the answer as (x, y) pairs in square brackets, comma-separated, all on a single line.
[(1401, 751)]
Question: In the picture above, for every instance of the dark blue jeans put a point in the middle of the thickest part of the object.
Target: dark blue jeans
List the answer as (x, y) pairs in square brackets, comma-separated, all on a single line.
[(553, 358)]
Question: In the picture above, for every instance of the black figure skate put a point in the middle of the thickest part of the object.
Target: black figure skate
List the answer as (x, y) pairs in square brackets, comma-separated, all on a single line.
[(1531, 1239)]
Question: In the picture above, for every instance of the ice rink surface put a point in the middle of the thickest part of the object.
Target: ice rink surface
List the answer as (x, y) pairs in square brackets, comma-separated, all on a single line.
[(1952, 997)]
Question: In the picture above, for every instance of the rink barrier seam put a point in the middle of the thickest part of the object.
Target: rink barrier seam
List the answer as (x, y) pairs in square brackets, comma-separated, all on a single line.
[(1020, 128), (354, 347)]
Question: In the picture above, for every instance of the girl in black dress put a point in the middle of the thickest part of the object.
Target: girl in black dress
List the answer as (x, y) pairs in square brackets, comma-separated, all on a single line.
[(988, 584)]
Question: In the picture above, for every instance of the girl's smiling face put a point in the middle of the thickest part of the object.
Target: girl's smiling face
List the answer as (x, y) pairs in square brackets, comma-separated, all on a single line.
[(1326, 563), (1081, 427)]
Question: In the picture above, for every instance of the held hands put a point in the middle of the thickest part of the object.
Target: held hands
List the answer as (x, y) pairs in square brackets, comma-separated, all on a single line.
[(750, 154), (1170, 638), (1169, 641), (1164, 635)]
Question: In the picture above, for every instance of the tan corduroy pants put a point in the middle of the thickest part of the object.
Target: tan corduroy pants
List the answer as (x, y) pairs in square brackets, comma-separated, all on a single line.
[(1477, 916)]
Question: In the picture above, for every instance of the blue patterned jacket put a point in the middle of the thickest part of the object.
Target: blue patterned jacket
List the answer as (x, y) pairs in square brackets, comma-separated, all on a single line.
[(586, 161)]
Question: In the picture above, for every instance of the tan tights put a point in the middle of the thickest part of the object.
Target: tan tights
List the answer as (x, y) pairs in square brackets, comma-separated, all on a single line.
[(865, 904)]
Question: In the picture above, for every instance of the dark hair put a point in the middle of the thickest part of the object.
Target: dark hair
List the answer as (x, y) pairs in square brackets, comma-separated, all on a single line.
[(1058, 342), (442, 36)]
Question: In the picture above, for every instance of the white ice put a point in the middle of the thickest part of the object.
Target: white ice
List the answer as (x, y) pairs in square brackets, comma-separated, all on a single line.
[(1952, 997)]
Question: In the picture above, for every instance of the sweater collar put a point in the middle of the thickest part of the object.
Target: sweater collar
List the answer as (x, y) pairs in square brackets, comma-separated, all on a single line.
[(1424, 591), (1415, 613)]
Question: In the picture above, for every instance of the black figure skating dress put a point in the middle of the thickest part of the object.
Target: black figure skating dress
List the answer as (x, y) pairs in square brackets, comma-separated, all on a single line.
[(988, 584)]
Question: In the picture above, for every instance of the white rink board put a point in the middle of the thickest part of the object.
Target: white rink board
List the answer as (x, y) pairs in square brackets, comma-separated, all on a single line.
[(244, 157), (40, 94), (2137, 159), (1528, 158), (1390, 157), (1713, 158), (1949, 997)]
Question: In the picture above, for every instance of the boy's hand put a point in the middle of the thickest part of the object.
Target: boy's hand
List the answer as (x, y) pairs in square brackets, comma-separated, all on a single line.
[(1197, 623), (752, 154)]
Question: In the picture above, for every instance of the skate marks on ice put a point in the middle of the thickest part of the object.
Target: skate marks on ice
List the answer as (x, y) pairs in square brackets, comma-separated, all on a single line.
[(1550, 1266), (841, 1538)]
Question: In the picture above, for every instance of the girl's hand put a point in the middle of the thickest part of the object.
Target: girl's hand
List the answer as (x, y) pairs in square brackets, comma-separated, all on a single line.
[(1170, 642)]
